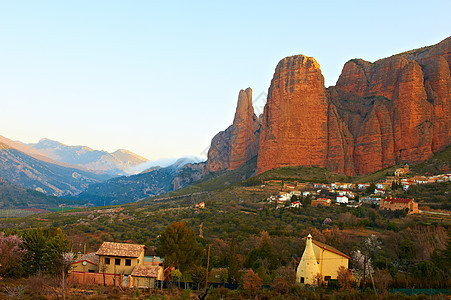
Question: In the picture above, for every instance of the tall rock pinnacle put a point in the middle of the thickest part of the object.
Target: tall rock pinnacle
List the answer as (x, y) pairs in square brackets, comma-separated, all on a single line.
[(232, 148), (294, 126)]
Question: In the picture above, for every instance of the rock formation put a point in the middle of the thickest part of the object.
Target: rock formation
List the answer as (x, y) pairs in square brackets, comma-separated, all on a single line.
[(294, 125), (232, 148), (394, 110)]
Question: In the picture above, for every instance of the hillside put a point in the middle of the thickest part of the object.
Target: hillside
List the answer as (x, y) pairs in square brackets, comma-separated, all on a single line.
[(13, 196), (155, 181), (53, 179)]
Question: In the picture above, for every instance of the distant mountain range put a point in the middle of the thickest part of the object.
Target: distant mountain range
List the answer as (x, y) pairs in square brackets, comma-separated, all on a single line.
[(155, 181), (120, 162), (43, 174), (85, 174)]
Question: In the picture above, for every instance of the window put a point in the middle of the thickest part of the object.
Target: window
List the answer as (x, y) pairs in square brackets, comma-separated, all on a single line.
[(91, 271), (117, 261), (107, 260), (128, 262), (302, 279), (326, 278)]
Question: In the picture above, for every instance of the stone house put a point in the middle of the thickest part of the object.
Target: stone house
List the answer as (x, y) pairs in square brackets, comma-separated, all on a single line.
[(390, 203), (321, 202), (146, 276), (120, 258), (319, 262)]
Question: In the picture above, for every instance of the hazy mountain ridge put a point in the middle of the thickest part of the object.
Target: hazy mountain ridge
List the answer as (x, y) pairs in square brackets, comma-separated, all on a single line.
[(119, 162), (53, 179), (158, 181)]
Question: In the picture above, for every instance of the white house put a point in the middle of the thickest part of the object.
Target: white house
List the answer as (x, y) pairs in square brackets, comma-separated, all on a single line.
[(283, 197), (342, 199)]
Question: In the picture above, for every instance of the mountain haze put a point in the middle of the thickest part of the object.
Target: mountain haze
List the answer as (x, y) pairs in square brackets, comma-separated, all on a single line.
[(42, 175), (155, 181), (116, 163)]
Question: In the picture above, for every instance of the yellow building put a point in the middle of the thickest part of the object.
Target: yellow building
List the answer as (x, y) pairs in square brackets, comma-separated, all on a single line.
[(86, 263), (319, 262), (120, 258)]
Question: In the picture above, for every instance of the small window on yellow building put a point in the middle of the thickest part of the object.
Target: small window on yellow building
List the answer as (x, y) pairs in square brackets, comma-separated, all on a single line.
[(128, 262), (117, 261), (107, 260)]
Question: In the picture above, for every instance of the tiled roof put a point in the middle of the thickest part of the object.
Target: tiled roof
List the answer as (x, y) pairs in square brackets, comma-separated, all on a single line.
[(329, 248), (91, 257), (120, 249), (146, 271), (398, 200)]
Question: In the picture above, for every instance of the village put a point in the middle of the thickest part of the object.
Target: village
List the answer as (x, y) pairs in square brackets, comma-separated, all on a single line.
[(292, 194)]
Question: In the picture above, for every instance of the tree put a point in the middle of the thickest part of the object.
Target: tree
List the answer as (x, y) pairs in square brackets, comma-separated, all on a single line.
[(252, 282), (178, 246), (234, 269), (198, 275), (370, 189), (344, 278), (11, 254), (45, 251)]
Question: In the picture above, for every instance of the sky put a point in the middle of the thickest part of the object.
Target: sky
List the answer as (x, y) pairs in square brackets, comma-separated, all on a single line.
[(161, 78)]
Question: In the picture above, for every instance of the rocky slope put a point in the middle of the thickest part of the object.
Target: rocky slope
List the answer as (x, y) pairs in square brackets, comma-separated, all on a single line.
[(116, 163), (51, 178), (394, 110), (232, 148), (14, 196)]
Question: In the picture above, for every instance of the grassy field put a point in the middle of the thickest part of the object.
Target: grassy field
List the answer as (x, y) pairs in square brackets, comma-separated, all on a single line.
[(15, 213)]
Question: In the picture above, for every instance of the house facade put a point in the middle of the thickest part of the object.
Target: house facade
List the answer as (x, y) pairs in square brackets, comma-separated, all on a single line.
[(146, 276), (390, 203), (321, 202), (319, 262), (86, 263), (120, 258)]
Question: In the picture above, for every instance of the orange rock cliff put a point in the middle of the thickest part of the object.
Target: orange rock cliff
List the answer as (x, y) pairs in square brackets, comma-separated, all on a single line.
[(232, 148), (394, 110)]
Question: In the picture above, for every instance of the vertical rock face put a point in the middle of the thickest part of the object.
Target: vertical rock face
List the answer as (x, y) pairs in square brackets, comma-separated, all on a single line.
[(244, 137), (397, 109), (394, 110), (294, 126), (232, 148)]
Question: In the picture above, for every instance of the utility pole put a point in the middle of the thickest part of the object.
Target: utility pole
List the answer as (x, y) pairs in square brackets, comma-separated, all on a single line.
[(208, 264)]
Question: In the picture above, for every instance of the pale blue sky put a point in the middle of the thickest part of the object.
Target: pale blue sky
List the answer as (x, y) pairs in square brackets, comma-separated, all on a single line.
[(162, 78)]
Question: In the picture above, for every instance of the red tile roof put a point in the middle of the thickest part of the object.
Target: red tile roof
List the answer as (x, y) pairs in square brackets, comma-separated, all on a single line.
[(398, 200)]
